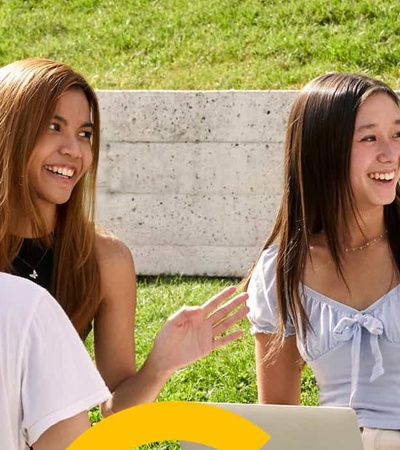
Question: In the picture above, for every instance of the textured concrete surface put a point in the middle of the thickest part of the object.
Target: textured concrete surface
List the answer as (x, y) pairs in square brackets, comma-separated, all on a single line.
[(191, 181)]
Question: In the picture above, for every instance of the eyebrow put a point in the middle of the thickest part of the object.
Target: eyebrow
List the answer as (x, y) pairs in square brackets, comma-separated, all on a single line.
[(64, 121), (373, 125)]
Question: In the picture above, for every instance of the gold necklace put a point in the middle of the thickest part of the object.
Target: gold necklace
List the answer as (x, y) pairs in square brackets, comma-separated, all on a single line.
[(34, 273), (367, 244)]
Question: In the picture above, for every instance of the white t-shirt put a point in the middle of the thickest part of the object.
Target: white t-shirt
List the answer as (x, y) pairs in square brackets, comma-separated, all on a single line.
[(46, 374)]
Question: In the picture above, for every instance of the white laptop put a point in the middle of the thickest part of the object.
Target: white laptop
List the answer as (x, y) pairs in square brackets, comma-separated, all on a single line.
[(298, 427)]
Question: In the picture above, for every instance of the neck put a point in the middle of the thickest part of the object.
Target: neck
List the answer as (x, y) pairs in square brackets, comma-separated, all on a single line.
[(22, 225), (369, 226)]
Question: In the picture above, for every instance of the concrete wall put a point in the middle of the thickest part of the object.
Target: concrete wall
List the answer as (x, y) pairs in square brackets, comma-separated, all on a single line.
[(191, 181)]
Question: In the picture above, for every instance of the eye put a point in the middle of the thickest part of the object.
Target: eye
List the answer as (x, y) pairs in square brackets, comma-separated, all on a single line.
[(86, 134), (397, 135), (370, 138), (54, 126)]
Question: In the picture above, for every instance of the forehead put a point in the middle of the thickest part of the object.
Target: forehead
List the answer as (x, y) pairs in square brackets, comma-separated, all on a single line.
[(377, 108), (73, 106)]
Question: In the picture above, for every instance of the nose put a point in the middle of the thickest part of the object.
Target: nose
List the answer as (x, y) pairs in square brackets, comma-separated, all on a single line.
[(71, 147), (389, 152)]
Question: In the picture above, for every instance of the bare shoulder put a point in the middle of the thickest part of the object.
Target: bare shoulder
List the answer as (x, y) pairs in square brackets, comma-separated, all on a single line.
[(116, 264), (110, 249)]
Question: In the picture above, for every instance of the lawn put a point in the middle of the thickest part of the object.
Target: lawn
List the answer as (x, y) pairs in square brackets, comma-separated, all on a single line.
[(205, 44)]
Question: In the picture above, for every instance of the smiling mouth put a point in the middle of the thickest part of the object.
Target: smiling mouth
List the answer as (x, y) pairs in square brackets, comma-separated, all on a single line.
[(382, 176), (64, 172)]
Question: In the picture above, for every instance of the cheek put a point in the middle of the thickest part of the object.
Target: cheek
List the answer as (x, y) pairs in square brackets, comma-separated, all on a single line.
[(87, 160), (34, 167), (359, 164), (352, 171), (355, 176), (356, 179)]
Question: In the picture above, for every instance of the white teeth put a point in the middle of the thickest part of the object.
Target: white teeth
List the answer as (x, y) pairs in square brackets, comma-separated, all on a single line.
[(65, 171), (382, 175)]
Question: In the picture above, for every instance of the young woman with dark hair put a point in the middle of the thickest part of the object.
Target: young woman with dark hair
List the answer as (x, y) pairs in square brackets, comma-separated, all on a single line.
[(325, 289)]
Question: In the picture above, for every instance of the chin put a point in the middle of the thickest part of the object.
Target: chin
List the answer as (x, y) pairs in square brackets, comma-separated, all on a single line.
[(386, 198), (385, 202), (59, 200), (62, 202)]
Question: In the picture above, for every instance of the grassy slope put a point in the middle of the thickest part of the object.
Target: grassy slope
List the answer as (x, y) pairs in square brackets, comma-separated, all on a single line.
[(213, 44)]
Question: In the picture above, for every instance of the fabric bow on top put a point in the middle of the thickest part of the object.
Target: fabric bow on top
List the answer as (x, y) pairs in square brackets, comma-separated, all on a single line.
[(351, 328)]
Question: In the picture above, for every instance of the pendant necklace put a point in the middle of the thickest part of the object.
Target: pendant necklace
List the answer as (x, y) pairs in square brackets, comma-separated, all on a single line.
[(34, 273)]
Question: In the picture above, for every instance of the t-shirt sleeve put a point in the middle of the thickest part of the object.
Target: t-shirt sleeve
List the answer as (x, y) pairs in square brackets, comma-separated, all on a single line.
[(262, 301), (59, 379)]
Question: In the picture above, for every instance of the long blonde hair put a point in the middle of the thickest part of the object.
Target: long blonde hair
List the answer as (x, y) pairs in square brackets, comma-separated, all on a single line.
[(29, 91)]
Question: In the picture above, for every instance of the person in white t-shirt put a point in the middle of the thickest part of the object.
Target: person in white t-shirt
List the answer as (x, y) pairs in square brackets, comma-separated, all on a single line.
[(47, 379)]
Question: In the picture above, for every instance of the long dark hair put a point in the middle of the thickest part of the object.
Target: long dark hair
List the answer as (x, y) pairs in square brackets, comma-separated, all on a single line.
[(317, 193)]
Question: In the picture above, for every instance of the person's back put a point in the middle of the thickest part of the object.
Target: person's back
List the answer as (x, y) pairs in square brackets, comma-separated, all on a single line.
[(46, 375)]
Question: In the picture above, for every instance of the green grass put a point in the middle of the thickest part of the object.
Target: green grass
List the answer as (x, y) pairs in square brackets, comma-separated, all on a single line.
[(227, 375), (205, 44)]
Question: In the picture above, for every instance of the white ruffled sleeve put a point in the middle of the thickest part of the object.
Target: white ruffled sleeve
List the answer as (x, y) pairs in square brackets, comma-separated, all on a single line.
[(262, 301)]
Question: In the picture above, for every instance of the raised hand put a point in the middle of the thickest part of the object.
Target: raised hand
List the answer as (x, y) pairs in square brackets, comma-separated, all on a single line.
[(194, 332)]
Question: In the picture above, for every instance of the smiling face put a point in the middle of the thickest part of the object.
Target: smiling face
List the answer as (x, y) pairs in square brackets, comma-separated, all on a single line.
[(63, 153), (375, 153)]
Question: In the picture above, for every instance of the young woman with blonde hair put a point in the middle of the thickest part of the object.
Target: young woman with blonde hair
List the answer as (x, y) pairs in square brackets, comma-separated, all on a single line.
[(49, 152), (325, 289)]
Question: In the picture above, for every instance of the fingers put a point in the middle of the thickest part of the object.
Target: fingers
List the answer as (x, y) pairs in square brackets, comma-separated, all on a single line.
[(224, 340), (222, 320), (222, 312), (212, 308), (228, 322), (212, 304)]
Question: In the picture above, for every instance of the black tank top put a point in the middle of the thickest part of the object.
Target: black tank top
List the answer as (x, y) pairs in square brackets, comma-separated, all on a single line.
[(35, 262)]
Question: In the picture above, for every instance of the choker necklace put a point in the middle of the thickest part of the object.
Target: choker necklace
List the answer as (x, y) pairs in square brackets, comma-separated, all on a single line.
[(367, 244), (34, 273)]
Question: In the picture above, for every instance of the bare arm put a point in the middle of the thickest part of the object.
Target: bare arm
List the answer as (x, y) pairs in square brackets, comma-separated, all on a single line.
[(114, 323), (278, 382), (185, 337), (62, 434)]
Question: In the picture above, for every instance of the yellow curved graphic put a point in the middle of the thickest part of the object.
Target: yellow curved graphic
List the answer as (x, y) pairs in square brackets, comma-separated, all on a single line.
[(167, 421)]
